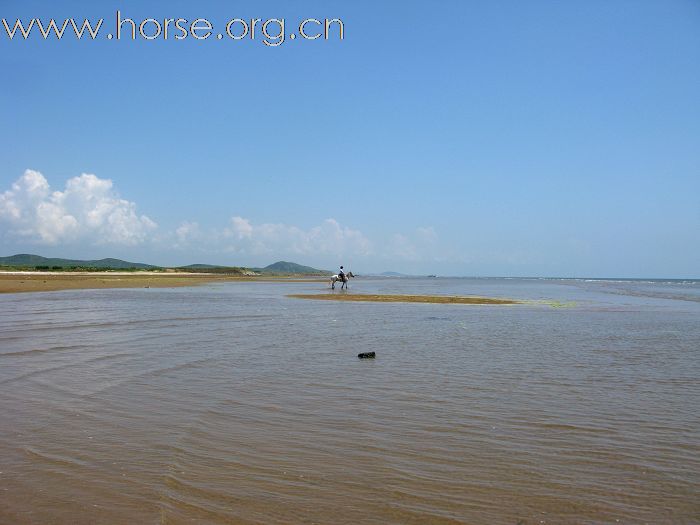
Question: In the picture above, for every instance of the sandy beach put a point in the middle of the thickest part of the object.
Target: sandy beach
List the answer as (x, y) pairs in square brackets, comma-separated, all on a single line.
[(17, 282)]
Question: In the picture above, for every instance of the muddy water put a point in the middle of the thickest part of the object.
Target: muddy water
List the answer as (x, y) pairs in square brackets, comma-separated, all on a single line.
[(232, 403)]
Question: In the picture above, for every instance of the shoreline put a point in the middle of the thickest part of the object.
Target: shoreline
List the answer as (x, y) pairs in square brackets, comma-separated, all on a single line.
[(25, 282)]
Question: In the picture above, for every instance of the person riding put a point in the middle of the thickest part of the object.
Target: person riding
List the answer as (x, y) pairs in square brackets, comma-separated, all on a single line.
[(341, 274)]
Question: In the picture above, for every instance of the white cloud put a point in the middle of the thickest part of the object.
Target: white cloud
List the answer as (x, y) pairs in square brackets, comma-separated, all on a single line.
[(329, 238), (241, 228), (88, 209)]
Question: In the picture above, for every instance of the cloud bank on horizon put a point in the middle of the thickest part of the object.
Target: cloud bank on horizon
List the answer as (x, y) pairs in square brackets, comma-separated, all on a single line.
[(88, 209), (88, 218), (90, 212)]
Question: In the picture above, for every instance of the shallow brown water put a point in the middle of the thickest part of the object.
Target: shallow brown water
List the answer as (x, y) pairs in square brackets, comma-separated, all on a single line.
[(235, 404)]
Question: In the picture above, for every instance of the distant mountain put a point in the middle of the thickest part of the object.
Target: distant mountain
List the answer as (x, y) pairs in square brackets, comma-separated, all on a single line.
[(397, 274), (25, 259), (291, 268)]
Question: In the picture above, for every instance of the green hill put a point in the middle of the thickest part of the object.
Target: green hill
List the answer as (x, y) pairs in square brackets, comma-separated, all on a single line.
[(212, 268), (28, 260), (285, 267)]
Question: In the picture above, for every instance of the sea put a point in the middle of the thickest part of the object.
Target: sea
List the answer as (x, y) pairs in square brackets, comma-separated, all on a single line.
[(232, 403)]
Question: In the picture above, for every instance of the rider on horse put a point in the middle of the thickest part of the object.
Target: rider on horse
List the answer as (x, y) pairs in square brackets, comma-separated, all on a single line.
[(341, 277)]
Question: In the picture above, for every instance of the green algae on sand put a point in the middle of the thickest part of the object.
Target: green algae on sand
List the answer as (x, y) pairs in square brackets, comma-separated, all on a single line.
[(380, 298), (553, 304)]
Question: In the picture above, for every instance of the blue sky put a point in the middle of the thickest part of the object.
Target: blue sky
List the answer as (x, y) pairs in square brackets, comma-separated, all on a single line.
[(532, 138)]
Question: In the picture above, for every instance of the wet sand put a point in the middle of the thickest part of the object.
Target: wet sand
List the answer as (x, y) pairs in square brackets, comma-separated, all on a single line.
[(17, 282), (381, 298)]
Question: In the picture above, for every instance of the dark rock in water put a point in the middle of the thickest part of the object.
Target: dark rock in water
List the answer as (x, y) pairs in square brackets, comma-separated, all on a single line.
[(367, 355)]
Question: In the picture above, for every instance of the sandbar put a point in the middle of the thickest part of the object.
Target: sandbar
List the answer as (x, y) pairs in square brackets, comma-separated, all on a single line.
[(381, 298)]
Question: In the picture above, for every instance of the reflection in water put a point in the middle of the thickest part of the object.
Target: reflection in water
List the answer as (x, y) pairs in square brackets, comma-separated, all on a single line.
[(235, 404)]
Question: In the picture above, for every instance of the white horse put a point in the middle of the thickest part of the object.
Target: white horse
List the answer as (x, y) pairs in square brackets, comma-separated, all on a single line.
[(337, 278)]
